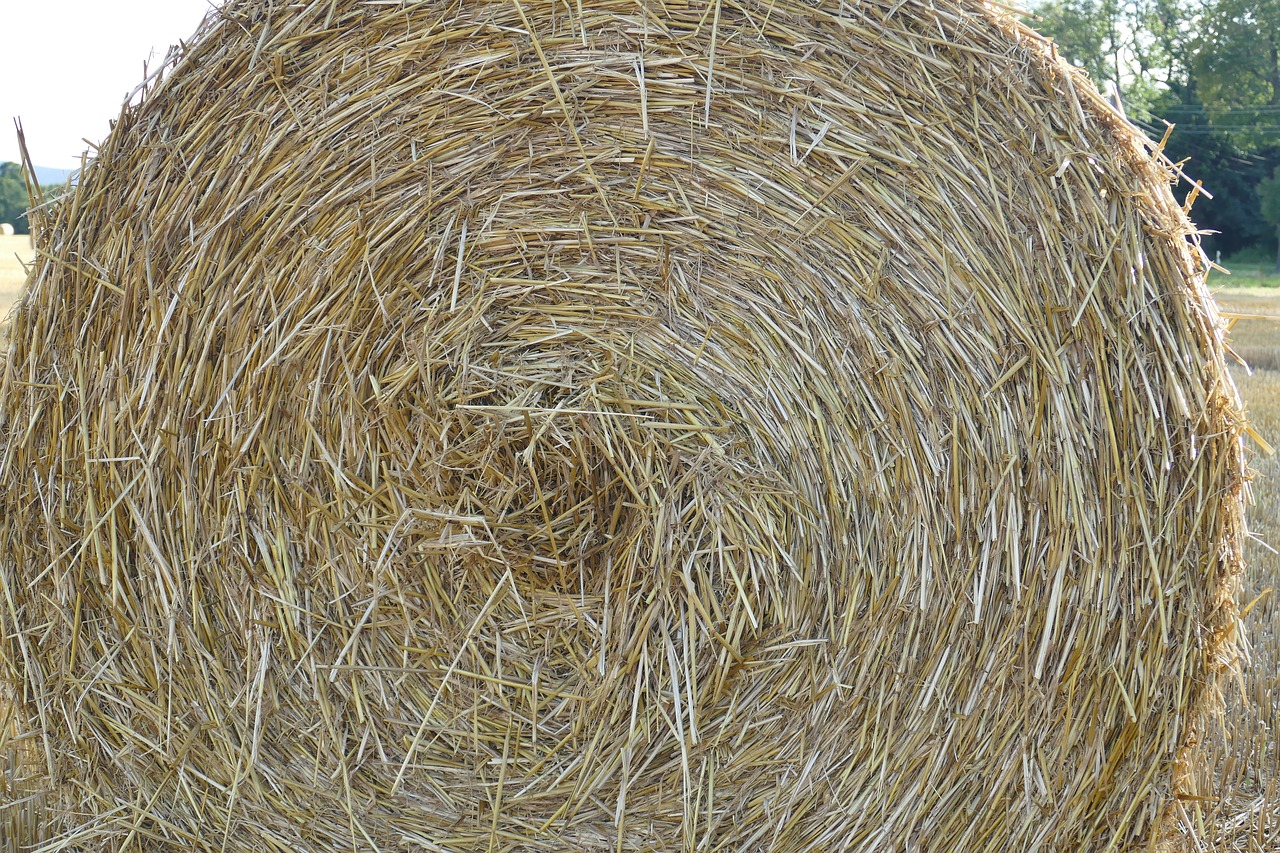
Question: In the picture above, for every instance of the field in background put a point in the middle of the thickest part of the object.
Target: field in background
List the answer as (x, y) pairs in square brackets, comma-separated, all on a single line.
[(1243, 813), (14, 252), (1250, 269), (1248, 276), (1247, 814)]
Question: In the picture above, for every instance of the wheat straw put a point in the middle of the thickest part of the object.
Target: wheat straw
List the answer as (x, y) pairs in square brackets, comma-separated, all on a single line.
[(617, 426)]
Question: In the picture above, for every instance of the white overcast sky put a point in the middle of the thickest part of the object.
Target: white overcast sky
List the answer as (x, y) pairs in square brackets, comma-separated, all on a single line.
[(69, 64)]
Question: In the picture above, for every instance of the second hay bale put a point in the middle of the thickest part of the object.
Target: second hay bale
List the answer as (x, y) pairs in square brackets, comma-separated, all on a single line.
[(532, 426)]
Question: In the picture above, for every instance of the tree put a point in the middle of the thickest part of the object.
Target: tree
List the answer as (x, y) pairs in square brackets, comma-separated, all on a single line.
[(1237, 68), (1269, 193), (1210, 67), (1141, 47), (1084, 32), (13, 197), (1229, 171), (14, 200)]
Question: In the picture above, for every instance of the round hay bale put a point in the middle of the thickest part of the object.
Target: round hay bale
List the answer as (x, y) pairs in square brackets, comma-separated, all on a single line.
[(544, 426), (6, 230)]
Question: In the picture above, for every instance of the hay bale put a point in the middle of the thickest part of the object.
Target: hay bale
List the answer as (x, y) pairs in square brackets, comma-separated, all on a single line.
[(6, 230), (540, 426)]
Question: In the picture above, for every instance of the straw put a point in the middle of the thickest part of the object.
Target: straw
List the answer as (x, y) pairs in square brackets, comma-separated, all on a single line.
[(617, 426)]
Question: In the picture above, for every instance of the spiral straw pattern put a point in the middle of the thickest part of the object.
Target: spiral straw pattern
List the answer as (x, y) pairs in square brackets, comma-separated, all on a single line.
[(626, 425)]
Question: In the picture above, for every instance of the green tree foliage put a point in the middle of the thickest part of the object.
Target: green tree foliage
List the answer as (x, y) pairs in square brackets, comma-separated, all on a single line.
[(1269, 196), (1139, 47), (1085, 33), (1238, 53), (13, 197), (1230, 172), (1209, 67)]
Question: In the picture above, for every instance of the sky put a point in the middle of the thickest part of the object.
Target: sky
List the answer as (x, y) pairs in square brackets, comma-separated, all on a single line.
[(70, 64)]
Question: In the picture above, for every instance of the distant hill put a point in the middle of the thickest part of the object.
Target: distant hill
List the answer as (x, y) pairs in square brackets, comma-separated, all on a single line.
[(46, 176)]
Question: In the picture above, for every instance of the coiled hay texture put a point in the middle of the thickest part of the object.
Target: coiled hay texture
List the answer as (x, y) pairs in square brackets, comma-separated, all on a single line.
[(542, 426)]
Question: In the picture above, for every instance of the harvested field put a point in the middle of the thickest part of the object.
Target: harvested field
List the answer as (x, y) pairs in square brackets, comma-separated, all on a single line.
[(1245, 816), (14, 252), (784, 426)]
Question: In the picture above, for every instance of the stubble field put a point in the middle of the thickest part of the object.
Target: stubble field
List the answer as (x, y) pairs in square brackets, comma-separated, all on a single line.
[(1244, 812), (14, 251), (1240, 811)]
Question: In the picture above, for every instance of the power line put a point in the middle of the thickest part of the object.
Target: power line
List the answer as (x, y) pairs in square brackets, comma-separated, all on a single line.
[(1203, 108), (1181, 130), (1244, 128)]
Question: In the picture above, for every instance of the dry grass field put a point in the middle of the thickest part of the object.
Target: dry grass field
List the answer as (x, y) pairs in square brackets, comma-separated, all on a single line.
[(14, 252), (1245, 815)]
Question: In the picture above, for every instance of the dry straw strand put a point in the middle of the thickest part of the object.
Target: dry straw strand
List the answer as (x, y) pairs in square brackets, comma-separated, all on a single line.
[(516, 425)]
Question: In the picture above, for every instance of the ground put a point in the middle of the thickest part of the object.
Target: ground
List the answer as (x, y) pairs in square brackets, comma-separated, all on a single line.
[(11, 272), (1246, 814), (1243, 815)]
